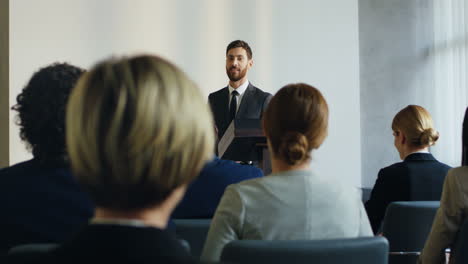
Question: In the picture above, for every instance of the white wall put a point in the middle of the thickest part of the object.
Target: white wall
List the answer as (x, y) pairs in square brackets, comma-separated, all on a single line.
[(397, 68), (311, 41), (4, 83)]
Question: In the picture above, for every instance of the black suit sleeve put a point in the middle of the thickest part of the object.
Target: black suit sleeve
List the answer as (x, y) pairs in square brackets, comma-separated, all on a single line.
[(210, 102), (389, 187), (216, 116)]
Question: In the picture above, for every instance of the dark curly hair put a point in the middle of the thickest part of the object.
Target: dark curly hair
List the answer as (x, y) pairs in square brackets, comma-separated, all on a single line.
[(41, 110)]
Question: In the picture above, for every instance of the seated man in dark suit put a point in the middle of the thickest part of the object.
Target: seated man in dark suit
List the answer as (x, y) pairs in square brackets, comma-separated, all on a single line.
[(203, 195), (40, 201)]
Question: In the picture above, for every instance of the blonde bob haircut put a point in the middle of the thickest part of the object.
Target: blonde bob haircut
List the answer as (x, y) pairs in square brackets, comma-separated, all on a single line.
[(416, 124), (136, 129)]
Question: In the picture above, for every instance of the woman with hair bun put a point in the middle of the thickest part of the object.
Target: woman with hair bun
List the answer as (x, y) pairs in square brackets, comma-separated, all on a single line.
[(293, 203), (419, 177)]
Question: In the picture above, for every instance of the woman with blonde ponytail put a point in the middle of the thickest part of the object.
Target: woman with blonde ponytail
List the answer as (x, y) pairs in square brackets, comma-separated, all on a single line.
[(419, 177), (294, 202)]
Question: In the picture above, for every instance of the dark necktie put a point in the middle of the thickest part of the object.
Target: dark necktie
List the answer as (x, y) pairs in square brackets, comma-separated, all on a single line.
[(233, 106)]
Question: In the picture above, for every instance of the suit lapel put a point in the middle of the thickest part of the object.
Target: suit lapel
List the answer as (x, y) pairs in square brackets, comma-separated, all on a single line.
[(246, 98)]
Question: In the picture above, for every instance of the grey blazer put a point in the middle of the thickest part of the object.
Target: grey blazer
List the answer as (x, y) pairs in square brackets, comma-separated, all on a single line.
[(293, 205), (450, 216), (253, 104)]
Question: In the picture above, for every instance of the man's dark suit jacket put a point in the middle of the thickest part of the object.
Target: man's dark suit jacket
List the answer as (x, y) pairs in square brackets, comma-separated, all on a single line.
[(253, 104), (40, 203), (118, 244), (203, 195), (420, 177)]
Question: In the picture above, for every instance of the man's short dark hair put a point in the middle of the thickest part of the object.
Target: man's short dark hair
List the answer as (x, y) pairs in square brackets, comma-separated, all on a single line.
[(41, 110), (240, 44)]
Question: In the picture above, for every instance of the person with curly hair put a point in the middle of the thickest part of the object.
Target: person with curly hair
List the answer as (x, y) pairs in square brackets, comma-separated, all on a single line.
[(40, 200)]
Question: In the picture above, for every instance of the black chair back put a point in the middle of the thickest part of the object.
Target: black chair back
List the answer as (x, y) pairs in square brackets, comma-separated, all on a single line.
[(194, 231), (406, 226), (351, 250), (29, 252), (32, 248)]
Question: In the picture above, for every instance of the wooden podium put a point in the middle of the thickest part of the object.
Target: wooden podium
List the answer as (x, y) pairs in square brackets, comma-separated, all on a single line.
[(244, 141)]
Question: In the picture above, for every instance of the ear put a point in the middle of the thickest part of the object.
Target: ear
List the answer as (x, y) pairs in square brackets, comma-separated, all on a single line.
[(251, 63), (403, 139), (270, 149)]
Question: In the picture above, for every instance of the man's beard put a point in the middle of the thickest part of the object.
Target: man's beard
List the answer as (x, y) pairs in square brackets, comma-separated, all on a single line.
[(232, 76)]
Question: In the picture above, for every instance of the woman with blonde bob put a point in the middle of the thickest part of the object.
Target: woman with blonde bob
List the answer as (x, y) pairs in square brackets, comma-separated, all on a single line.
[(138, 131), (419, 177), (292, 203)]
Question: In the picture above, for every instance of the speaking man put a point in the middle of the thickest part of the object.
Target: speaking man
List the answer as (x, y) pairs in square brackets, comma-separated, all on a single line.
[(240, 99)]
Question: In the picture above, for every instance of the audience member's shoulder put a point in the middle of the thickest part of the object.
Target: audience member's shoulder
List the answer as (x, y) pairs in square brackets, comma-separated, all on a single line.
[(447, 167), (440, 164), (33, 167), (397, 167), (247, 184), (228, 167), (19, 168), (457, 177), (229, 164), (459, 171)]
